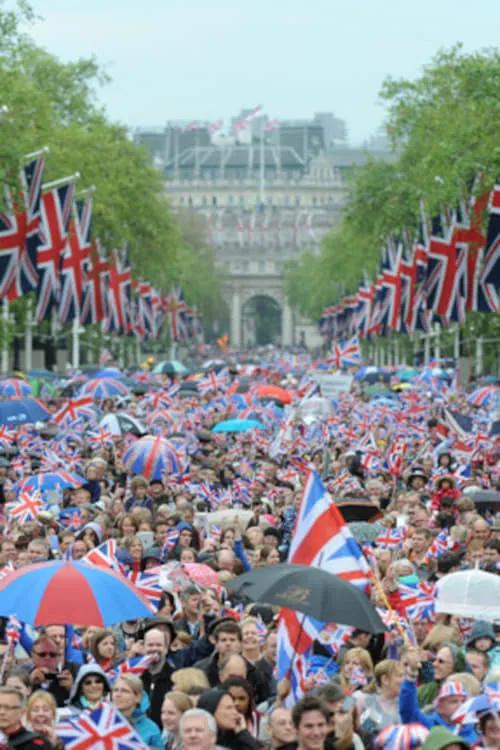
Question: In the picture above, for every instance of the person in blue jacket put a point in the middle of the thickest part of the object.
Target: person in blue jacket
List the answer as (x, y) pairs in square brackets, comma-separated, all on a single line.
[(130, 699), (450, 697)]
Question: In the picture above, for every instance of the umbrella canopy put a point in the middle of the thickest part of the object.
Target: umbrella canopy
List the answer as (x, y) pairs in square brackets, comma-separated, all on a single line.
[(42, 374), (238, 425), (313, 592), (372, 375), (52, 481), (365, 533), (15, 388), (151, 457), (109, 372), (121, 423), (200, 573), (274, 392), (103, 388), (486, 397), (214, 364), (23, 411), (71, 593), (406, 373), (484, 497), (170, 367), (353, 509), (469, 593), (402, 737)]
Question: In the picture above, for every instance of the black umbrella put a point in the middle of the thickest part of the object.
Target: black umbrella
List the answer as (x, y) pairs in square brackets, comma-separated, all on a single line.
[(484, 496), (313, 592), (358, 509)]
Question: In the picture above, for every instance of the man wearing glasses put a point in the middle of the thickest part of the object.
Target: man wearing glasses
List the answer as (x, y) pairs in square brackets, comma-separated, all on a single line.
[(49, 672), (11, 710)]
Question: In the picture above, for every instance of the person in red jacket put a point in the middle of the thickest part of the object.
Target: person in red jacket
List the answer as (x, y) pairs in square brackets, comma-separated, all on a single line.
[(445, 495)]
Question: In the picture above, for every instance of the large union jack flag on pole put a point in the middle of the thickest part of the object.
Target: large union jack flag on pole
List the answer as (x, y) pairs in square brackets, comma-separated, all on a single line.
[(75, 259), (345, 354), (105, 727), (489, 281), (175, 308), (19, 235), (92, 308)]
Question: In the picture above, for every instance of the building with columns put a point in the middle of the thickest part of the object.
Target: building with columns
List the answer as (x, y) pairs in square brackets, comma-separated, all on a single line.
[(267, 197)]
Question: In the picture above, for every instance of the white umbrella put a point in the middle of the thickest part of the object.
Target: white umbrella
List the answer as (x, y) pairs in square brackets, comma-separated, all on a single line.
[(469, 593), (120, 423)]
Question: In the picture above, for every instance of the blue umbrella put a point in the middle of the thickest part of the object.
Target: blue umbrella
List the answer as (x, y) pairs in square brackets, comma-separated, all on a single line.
[(53, 481), (104, 388), (238, 425), (22, 411), (110, 372), (71, 593), (42, 374)]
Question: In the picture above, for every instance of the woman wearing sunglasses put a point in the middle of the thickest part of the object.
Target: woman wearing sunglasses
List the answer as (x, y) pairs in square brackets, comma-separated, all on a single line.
[(90, 689)]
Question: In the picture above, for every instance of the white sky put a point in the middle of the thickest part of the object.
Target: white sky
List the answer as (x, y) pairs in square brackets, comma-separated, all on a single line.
[(206, 59)]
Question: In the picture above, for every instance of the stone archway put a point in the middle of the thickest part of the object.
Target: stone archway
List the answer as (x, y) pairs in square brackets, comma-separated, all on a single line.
[(261, 321)]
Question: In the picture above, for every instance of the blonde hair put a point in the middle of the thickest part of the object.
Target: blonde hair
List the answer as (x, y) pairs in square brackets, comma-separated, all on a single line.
[(360, 655), (388, 667), (439, 635), (189, 677), (470, 683), (181, 701), (47, 698), (133, 682), (459, 533)]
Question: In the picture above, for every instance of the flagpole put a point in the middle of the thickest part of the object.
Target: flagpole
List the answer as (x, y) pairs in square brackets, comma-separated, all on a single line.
[(61, 181), (427, 348), (75, 335), (5, 348), (261, 171), (36, 154), (28, 336), (196, 154), (437, 342)]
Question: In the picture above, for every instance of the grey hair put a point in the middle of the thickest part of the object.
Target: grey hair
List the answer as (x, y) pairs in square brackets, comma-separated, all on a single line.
[(193, 713), (403, 562), (6, 690)]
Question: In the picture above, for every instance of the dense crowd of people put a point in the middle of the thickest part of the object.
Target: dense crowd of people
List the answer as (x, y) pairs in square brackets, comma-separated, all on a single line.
[(203, 671)]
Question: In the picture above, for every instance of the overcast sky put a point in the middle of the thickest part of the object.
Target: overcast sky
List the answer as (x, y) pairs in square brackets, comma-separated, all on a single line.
[(206, 59)]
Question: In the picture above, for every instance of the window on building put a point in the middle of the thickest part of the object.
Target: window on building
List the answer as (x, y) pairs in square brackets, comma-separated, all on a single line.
[(204, 200), (181, 200), (287, 200), (229, 200), (269, 200), (190, 202), (242, 200), (297, 200), (246, 266), (236, 266), (214, 200), (262, 267), (315, 200)]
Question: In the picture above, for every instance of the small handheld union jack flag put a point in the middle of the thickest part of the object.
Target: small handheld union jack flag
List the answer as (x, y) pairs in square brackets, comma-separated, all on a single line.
[(105, 727), (214, 382), (136, 666), (26, 507), (345, 354)]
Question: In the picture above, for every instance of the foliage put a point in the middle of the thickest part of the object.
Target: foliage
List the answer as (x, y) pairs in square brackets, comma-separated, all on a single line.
[(54, 104), (444, 133)]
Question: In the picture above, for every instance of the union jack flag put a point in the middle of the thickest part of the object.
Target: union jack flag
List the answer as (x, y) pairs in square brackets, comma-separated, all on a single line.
[(391, 539), (322, 539), (138, 665), (19, 235), (13, 630), (334, 636), (119, 294), (56, 213), (148, 584), (170, 542), (101, 438), (75, 409), (213, 382), (104, 556), (93, 301), (105, 727), (174, 307), (75, 259), (71, 519), (345, 354), (26, 508), (489, 281), (7, 437)]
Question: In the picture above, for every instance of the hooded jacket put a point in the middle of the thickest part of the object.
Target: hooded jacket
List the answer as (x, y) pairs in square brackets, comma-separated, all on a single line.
[(227, 738), (76, 697), (441, 737), (427, 693), (145, 727), (410, 712)]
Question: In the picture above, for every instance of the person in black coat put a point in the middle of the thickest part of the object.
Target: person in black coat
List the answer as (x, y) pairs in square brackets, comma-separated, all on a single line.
[(231, 730)]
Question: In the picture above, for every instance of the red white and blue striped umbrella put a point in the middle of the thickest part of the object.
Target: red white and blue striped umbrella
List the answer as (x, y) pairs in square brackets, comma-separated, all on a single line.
[(103, 388), (152, 457), (488, 396), (71, 593), (15, 388)]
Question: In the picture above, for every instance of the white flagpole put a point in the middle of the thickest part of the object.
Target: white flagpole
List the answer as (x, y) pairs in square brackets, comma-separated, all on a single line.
[(28, 336), (196, 154), (75, 336), (262, 171), (5, 348)]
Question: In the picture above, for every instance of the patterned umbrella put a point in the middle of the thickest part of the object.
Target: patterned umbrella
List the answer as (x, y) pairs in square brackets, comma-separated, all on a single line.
[(15, 387), (489, 397), (200, 573), (151, 457), (71, 592), (401, 737), (53, 481), (103, 388), (22, 411)]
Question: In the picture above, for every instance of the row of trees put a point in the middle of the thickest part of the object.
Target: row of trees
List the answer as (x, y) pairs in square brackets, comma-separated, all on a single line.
[(443, 128), (50, 103)]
